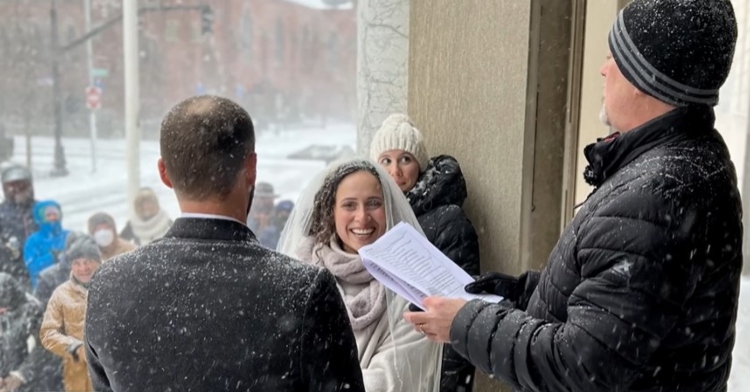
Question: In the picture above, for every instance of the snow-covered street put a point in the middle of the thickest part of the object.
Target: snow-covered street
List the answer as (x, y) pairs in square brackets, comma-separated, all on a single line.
[(83, 193)]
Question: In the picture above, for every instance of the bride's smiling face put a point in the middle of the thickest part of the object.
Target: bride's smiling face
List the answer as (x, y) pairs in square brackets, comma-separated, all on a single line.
[(359, 212)]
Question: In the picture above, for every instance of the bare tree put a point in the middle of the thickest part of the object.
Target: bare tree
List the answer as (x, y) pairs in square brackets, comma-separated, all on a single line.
[(22, 85)]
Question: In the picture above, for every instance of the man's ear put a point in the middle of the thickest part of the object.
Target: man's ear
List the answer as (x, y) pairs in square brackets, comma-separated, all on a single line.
[(163, 173), (637, 92), (251, 166)]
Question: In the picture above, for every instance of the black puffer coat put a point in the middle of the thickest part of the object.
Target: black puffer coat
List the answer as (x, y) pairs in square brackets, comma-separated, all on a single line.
[(641, 291), (21, 321), (16, 224), (437, 199)]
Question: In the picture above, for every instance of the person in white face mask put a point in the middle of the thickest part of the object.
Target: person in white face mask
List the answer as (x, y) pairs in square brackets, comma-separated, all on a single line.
[(102, 227)]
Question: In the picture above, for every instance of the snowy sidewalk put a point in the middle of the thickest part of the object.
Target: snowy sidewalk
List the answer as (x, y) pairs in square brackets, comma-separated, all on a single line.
[(83, 193)]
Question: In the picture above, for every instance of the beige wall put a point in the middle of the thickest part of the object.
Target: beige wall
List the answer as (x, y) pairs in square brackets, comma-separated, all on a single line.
[(467, 93), (488, 84), (600, 14)]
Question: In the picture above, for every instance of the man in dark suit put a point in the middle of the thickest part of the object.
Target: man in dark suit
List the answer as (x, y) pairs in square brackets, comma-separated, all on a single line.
[(207, 308)]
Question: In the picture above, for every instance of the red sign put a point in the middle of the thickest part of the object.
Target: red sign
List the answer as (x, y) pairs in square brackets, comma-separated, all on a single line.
[(93, 97)]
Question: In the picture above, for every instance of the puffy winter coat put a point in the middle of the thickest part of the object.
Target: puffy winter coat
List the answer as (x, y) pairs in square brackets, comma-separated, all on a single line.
[(16, 225), (42, 248), (62, 333), (436, 199), (17, 324), (640, 292)]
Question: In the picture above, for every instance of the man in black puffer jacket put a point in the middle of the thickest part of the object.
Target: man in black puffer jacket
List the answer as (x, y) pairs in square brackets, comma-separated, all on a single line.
[(641, 291)]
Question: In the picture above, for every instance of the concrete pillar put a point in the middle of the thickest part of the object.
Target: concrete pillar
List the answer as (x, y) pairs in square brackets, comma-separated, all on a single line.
[(488, 84), (600, 17), (382, 72)]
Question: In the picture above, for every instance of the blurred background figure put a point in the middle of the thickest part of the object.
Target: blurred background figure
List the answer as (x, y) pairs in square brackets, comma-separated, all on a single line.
[(151, 221), (21, 369), (269, 236), (55, 275), (16, 221), (261, 211), (50, 279), (63, 325), (104, 230), (43, 247)]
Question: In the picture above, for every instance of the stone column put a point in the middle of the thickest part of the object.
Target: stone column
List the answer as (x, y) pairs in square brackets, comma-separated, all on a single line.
[(382, 67)]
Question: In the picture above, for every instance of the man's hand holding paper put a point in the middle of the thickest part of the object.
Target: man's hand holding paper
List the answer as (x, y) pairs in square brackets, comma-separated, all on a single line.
[(406, 263)]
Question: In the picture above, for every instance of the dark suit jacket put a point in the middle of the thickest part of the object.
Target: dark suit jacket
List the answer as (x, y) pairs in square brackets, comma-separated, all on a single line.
[(207, 308)]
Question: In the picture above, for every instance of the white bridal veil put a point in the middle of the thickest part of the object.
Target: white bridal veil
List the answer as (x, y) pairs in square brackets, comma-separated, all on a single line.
[(417, 360)]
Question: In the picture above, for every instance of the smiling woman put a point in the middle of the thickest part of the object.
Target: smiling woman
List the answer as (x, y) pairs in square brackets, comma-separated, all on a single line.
[(359, 213), (351, 205)]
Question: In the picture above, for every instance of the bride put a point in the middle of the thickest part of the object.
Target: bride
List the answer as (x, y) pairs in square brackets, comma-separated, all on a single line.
[(350, 205)]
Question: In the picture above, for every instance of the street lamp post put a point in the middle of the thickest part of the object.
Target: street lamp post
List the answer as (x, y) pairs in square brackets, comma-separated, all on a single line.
[(90, 65), (132, 103), (59, 169)]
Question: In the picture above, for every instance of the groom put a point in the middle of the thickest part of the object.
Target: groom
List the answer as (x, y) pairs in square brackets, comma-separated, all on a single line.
[(207, 308)]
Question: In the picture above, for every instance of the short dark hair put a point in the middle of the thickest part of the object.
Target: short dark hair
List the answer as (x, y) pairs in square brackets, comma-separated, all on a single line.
[(204, 142)]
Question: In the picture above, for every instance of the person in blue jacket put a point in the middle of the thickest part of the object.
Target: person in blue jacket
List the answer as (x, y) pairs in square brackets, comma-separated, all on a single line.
[(43, 246)]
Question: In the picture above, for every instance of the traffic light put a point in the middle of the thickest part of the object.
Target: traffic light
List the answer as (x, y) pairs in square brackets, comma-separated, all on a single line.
[(207, 20)]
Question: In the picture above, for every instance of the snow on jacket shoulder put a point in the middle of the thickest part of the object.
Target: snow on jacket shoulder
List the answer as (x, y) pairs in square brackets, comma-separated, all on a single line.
[(640, 292), (437, 201)]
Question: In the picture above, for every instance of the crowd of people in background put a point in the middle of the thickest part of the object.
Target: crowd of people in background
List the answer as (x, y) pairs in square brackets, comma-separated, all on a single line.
[(45, 269)]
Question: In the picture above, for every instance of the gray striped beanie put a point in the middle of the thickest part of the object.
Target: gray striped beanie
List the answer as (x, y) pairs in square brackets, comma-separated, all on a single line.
[(677, 51)]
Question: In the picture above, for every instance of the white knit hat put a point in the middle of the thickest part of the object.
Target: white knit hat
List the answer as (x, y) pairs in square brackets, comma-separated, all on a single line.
[(398, 133)]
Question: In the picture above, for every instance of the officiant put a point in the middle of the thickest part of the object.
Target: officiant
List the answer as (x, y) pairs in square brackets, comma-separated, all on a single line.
[(640, 293)]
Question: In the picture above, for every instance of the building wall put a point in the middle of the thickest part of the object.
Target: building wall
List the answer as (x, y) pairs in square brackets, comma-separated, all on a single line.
[(301, 56), (498, 106), (600, 14)]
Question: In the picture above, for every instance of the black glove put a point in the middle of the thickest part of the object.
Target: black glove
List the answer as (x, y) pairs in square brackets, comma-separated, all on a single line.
[(517, 290), (495, 283)]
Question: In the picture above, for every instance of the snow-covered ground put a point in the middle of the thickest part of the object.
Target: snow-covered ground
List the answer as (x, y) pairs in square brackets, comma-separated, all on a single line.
[(82, 192)]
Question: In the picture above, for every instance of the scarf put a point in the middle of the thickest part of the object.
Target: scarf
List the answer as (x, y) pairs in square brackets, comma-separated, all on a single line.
[(366, 306), (151, 229)]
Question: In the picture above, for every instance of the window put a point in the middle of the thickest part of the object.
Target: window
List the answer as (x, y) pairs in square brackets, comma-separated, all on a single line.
[(333, 51), (246, 36), (172, 30), (279, 42)]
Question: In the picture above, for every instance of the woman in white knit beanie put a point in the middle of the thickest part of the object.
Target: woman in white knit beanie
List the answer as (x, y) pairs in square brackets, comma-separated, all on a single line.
[(436, 190), (399, 147)]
